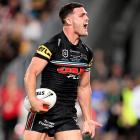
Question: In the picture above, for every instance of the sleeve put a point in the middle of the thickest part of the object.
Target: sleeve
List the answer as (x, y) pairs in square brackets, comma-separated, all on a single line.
[(45, 51), (90, 60)]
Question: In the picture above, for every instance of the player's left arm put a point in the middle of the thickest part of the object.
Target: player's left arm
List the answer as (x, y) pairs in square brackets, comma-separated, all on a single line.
[(84, 99), (84, 96)]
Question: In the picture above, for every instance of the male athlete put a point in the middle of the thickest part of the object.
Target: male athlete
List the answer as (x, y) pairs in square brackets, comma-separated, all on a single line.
[(64, 62)]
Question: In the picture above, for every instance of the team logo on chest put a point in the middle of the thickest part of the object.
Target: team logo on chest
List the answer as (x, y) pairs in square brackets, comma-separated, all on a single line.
[(65, 53)]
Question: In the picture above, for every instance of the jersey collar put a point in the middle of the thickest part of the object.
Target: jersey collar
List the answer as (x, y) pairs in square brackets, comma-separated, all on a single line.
[(65, 39)]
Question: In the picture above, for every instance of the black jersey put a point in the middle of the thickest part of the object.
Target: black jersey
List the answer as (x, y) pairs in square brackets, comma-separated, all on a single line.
[(66, 63)]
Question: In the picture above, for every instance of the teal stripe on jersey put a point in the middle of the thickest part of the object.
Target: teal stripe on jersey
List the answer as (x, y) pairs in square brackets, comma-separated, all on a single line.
[(69, 63)]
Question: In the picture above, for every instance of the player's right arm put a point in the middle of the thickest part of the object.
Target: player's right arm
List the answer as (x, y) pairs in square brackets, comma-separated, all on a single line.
[(34, 69), (39, 61)]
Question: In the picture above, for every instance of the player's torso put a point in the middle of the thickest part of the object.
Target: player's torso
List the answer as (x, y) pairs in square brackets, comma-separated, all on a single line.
[(67, 64)]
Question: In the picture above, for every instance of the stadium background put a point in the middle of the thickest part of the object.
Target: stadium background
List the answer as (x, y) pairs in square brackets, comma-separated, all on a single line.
[(114, 32)]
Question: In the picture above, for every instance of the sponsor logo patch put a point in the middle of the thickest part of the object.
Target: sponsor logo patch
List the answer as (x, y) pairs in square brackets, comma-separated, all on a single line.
[(47, 124), (44, 51)]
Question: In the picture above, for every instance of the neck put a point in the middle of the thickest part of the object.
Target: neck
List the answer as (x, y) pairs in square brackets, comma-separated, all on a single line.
[(71, 35)]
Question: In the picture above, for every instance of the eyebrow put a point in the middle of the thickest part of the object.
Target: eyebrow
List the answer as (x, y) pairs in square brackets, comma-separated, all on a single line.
[(84, 13)]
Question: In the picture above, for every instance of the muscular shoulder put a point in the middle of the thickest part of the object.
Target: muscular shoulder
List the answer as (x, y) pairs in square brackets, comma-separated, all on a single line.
[(48, 49), (53, 42)]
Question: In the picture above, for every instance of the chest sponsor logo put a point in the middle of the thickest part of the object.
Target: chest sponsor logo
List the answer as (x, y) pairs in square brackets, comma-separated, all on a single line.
[(75, 52), (65, 53), (69, 70)]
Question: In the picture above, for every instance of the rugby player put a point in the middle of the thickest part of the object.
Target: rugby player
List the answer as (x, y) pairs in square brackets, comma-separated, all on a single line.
[(64, 62)]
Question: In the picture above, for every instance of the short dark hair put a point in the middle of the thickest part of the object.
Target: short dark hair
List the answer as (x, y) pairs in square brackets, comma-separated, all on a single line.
[(67, 9)]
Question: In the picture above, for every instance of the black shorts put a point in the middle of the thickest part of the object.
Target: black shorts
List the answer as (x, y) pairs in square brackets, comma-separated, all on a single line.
[(49, 124)]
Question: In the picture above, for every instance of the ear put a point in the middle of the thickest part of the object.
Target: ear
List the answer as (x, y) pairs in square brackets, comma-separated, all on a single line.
[(68, 21)]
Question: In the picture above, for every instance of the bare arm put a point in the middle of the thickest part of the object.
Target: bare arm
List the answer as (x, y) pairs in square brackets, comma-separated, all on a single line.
[(35, 68), (84, 98)]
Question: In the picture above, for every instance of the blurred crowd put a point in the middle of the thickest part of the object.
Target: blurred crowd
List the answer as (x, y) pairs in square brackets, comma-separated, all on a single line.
[(115, 100), (21, 29), (21, 26), (115, 90)]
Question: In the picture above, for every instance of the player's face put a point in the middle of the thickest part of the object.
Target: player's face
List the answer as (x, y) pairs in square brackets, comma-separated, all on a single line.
[(80, 21)]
